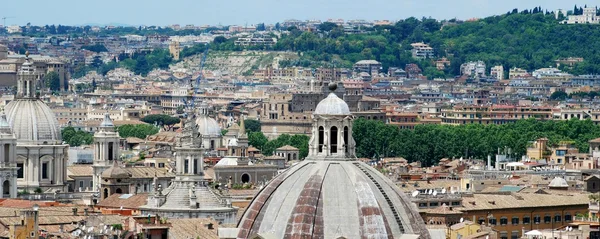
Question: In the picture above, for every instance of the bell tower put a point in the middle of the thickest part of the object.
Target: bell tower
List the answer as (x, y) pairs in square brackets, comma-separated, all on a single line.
[(189, 152), (106, 149), (8, 163)]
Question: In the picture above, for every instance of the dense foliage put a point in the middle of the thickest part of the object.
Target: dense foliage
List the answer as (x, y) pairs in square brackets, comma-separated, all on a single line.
[(139, 131), (160, 119), (76, 137), (258, 140), (95, 48), (52, 81), (430, 143), (140, 63), (530, 39), (252, 125)]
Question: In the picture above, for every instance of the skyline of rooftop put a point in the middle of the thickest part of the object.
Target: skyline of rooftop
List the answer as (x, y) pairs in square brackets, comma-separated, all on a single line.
[(113, 12)]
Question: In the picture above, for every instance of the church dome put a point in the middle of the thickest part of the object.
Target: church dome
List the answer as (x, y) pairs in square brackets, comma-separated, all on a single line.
[(558, 182), (115, 172), (32, 120), (208, 126), (332, 105), (331, 199)]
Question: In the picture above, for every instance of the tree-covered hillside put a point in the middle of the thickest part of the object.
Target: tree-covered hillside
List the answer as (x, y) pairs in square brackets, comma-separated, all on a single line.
[(529, 39)]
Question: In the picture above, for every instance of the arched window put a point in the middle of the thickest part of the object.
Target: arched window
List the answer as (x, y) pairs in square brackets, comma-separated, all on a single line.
[(492, 221), (481, 220), (537, 219), (105, 193), (346, 138), (118, 191), (321, 135), (110, 151), (333, 135)]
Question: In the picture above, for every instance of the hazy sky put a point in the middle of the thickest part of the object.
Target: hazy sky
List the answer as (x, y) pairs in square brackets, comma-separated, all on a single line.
[(198, 12)]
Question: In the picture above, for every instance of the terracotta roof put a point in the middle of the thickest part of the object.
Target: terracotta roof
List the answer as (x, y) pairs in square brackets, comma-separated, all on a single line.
[(80, 170), (149, 172), (287, 148), (128, 201), (444, 209), (192, 228), (596, 140), (521, 200)]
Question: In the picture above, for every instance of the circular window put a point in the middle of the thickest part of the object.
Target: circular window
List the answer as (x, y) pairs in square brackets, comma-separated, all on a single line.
[(118, 180)]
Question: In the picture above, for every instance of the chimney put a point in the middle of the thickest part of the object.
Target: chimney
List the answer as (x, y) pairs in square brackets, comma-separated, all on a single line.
[(209, 226), (74, 211), (85, 212)]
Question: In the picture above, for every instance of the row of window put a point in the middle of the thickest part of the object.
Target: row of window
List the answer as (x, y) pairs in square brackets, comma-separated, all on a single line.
[(537, 219)]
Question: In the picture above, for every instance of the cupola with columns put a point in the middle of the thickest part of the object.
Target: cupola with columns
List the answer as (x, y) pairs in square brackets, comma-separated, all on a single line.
[(332, 130)]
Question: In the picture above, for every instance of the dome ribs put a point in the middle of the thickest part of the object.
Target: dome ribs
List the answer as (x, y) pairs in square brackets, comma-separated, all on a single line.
[(306, 220), (252, 218), (387, 198)]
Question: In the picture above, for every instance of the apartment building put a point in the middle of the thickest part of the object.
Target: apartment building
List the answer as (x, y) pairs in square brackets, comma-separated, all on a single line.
[(497, 72), (494, 114), (473, 68), (372, 67), (422, 51)]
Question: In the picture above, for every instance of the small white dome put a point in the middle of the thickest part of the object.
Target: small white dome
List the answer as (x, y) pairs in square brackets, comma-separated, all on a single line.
[(208, 126), (32, 120), (558, 182), (332, 105)]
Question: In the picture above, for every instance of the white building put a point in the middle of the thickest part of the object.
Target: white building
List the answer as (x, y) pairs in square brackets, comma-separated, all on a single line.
[(106, 150), (41, 156), (497, 72), (422, 51), (588, 16), (8, 164), (473, 68)]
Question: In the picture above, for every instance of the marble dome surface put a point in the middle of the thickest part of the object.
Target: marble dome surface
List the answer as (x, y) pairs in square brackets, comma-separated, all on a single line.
[(208, 126), (332, 105), (32, 120), (329, 199)]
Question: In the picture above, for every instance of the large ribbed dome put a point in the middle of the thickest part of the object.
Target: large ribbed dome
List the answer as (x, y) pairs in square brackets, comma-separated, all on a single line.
[(331, 199), (208, 126), (33, 120), (332, 105)]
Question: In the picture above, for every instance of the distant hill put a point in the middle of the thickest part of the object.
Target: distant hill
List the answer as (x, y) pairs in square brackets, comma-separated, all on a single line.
[(528, 39)]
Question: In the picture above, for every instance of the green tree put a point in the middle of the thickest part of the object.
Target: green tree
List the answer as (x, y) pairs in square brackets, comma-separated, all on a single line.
[(558, 95), (257, 139), (140, 131), (180, 109), (52, 81), (252, 125), (327, 26), (160, 119)]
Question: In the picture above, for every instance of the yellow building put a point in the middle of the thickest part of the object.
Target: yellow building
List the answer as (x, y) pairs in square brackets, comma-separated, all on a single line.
[(465, 229), (28, 227), (175, 49)]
